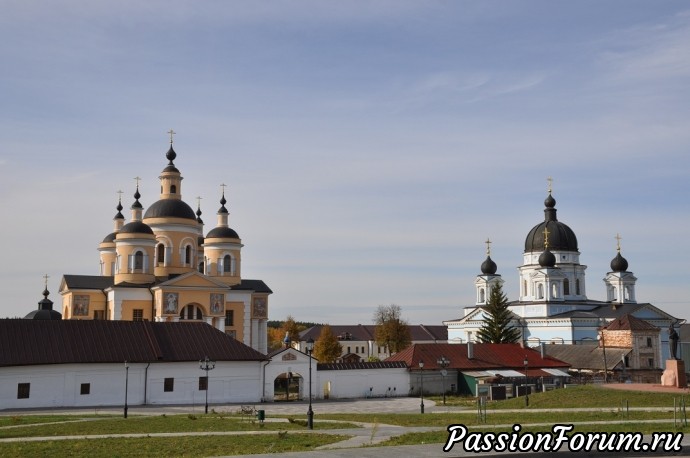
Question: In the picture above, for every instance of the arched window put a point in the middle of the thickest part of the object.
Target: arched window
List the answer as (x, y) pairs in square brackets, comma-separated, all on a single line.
[(481, 295), (540, 291), (566, 287), (577, 286), (173, 189), (160, 254), (188, 255), (227, 264), (554, 290), (191, 312), (138, 260)]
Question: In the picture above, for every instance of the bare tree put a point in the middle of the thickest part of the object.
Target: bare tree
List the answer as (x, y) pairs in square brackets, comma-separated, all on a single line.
[(392, 331)]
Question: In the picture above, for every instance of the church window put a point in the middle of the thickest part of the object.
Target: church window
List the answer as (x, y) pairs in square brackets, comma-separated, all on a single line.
[(203, 383), (138, 260), (649, 342), (227, 263), (191, 312), (23, 390), (554, 290), (173, 189), (540, 291), (168, 384), (188, 255), (650, 362), (566, 287), (201, 267), (481, 295), (160, 254), (85, 389), (229, 318), (524, 288), (577, 286), (99, 314), (138, 315), (348, 350), (615, 294)]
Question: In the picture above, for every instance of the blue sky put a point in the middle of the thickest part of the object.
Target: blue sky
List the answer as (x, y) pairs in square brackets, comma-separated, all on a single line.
[(369, 147)]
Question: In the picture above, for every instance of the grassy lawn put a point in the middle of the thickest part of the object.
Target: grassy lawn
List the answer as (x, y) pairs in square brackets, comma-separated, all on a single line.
[(19, 420), (188, 446), (496, 418), (154, 424), (579, 396), (440, 437)]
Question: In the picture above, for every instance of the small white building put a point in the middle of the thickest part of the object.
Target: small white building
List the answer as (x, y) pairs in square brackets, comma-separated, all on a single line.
[(70, 363)]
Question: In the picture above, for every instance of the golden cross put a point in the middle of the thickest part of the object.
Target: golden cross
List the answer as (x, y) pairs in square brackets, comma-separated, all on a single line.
[(171, 132), (46, 277), (488, 246), (138, 180), (550, 180), (618, 242), (546, 238)]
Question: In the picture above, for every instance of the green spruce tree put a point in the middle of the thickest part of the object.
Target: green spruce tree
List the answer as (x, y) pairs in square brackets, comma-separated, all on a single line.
[(497, 317)]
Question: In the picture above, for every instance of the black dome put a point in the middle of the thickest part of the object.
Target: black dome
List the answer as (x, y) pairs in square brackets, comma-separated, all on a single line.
[(170, 208), (222, 233), (43, 315), (547, 259), (109, 238), (561, 237), (489, 267), (136, 227), (619, 263)]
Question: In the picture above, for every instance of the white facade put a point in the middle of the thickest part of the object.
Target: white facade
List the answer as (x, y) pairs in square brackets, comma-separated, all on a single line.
[(61, 385)]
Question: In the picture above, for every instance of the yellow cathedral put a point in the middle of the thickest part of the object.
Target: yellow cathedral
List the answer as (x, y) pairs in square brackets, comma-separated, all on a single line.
[(160, 267)]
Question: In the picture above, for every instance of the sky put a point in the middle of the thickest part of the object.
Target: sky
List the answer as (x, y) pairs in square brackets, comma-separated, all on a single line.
[(369, 147)]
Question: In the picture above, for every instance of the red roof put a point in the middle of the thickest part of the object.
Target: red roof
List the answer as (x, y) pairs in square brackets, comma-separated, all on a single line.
[(630, 323), (486, 356), (32, 342)]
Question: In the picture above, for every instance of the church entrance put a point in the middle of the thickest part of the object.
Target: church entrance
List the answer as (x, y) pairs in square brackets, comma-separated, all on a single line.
[(191, 312), (287, 387)]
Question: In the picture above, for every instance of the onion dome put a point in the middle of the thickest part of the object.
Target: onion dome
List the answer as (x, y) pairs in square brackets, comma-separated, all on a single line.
[(547, 258), (489, 267), (619, 263), (119, 220), (136, 226), (198, 215), (561, 237), (170, 156), (45, 310), (222, 208), (136, 203), (222, 230)]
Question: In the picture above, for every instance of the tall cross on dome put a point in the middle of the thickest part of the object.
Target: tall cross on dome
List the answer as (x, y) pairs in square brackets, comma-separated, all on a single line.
[(120, 194), (488, 246), (137, 180), (546, 238), (618, 242), (171, 132), (46, 277), (223, 186), (550, 186), (198, 201)]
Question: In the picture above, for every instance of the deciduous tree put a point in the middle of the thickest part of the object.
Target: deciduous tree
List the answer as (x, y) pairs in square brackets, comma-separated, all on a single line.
[(327, 348), (391, 330)]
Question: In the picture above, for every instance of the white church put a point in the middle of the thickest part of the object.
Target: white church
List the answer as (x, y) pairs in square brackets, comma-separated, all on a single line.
[(553, 306)]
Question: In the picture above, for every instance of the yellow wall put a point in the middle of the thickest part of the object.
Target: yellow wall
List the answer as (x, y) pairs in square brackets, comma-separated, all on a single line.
[(129, 306), (95, 301), (238, 319)]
